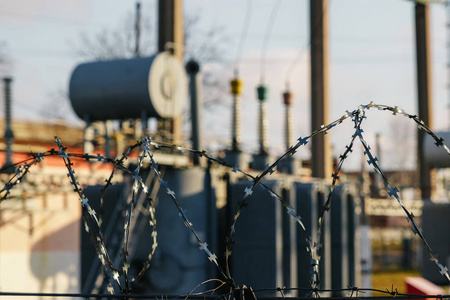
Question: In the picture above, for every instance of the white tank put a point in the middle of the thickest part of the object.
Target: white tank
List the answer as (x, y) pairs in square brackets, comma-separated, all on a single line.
[(121, 89)]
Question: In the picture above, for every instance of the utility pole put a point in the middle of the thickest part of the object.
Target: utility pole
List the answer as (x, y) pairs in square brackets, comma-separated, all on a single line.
[(170, 30), (170, 26), (137, 49), (9, 136), (447, 7), (424, 93), (138, 53), (321, 164)]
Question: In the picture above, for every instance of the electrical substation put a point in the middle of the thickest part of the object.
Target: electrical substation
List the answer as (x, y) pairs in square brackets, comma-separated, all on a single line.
[(269, 249), (174, 219)]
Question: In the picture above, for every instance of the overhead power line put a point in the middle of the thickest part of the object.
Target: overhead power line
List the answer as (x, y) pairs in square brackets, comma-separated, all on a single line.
[(267, 37), (248, 16)]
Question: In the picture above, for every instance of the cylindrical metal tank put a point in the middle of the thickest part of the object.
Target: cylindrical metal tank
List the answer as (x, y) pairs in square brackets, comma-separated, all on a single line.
[(435, 156), (153, 86)]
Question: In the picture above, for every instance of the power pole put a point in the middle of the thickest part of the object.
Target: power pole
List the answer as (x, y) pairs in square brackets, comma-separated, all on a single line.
[(137, 53), (9, 136), (170, 26), (321, 164), (137, 49), (138, 132), (424, 93), (447, 5), (170, 30)]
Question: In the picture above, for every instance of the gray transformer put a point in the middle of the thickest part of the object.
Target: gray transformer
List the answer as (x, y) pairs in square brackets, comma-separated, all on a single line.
[(257, 259), (178, 265), (435, 225), (345, 267), (270, 248), (154, 86), (310, 198)]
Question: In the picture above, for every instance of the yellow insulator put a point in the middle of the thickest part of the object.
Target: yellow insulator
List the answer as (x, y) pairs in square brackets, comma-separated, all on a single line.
[(236, 86)]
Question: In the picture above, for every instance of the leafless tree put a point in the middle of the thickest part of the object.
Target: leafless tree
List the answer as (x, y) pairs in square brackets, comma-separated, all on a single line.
[(207, 47), (60, 103), (116, 43)]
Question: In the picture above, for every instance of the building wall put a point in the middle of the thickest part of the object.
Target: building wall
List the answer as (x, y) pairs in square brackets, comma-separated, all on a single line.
[(40, 244), (40, 222)]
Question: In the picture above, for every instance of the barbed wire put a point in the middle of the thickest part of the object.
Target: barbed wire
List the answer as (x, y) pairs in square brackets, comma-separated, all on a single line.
[(91, 219), (346, 293), (314, 247), (121, 278), (109, 180), (89, 216)]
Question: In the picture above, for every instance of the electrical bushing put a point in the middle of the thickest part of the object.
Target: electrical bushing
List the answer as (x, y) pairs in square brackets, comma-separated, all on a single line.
[(236, 86), (263, 92), (287, 97)]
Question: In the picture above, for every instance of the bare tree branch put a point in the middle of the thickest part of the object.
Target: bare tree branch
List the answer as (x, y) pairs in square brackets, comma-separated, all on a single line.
[(206, 47)]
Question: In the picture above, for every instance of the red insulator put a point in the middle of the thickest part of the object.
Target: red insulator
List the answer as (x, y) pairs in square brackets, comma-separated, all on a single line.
[(287, 96)]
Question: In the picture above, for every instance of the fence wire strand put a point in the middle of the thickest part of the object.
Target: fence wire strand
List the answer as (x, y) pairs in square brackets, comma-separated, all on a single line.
[(120, 277)]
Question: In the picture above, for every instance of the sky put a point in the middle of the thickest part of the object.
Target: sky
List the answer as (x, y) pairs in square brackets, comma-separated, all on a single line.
[(371, 58)]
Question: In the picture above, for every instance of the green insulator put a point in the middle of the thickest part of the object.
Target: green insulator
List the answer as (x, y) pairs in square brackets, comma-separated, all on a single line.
[(263, 92)]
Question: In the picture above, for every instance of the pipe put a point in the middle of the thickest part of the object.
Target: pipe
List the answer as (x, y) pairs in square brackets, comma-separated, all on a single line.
[(193, 69)]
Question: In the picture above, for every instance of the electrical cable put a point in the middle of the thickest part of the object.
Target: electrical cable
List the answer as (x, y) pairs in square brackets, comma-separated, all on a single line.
[(248, 16), (267, 37), (38, 111), (302, 52), (447, 6)]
